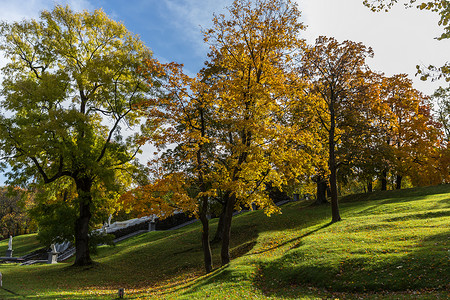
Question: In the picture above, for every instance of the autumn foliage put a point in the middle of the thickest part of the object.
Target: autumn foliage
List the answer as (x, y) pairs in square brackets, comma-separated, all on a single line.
[(267, 111)]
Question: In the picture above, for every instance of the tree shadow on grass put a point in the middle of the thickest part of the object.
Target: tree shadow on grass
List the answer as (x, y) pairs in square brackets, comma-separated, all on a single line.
[(394, 195), (296, 239), (403, 205), (424, 269), (161, 263), (8, 294), (425, 215)]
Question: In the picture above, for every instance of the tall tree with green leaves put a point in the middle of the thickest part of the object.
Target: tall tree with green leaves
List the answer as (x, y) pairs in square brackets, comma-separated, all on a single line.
[(70, 85)]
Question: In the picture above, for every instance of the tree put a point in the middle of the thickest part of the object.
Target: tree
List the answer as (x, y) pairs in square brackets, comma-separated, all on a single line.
[(14, 218), (255, 45), (442, 96), (55, 211), (407, 127), (70, 85), (321, 187), (182, 174), (232, 126), (401, 138), (304, 116), (337, 73)]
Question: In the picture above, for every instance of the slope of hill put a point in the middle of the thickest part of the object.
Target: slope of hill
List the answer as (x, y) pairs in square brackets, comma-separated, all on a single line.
[(22, 244), (392, 245)]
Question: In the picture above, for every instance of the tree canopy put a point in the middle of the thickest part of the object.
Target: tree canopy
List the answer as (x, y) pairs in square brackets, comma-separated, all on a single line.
[(267, 112), (71, 83), (339, 80), (233, 125)]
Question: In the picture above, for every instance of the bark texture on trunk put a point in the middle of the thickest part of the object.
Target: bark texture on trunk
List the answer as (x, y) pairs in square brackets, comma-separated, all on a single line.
[(219, 231), (205, 237), (82, 255), (335, 216), (369, 186), (225, 250), (204, 200), (321, 197), (398, 182)]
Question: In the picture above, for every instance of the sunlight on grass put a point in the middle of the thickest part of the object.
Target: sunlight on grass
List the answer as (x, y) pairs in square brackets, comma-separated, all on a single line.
[(22, 244), (388, 247)]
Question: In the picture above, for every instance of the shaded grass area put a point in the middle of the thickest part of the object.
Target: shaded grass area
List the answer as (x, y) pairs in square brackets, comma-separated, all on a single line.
[(389, 245)]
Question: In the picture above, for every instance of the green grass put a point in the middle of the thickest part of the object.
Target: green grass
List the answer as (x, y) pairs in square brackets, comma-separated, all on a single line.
[(22, 244), (389, 245)]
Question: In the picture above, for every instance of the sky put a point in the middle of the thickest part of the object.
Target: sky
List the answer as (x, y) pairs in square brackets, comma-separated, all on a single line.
[(401, 38)]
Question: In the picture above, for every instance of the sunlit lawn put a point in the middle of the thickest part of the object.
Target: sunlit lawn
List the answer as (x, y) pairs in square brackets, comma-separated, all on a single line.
[(22, 244), (392, 245)]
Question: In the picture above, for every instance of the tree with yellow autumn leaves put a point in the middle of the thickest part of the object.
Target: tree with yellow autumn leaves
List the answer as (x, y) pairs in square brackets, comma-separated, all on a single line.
[(266, 110), (338, 75), (232, 125)]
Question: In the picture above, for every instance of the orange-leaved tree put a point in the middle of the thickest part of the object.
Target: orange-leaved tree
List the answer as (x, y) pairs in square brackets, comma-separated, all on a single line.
[(231, 128), (181, 174), (254, 46), (338, 75), (409, 131)]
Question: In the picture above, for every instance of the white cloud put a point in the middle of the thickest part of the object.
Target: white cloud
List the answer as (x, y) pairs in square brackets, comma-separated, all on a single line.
[(19, 10), (400, 38), (191, 16)]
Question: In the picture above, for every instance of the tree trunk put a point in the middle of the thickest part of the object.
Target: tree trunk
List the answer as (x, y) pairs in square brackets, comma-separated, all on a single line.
[(384, 180), (82, 255), (335, 216), (204, 201), (219, 231), (398, 183), (246, 139), (225, 251), (205, 236), (321, 197), (369, 186), (328, 191)]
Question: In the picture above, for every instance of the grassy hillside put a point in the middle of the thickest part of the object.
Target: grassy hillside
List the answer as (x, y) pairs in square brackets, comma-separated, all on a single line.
[(392, 245), (22, 244)]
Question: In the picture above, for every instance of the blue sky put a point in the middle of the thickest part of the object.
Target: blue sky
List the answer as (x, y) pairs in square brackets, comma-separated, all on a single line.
[(170, 28), (401, 39)]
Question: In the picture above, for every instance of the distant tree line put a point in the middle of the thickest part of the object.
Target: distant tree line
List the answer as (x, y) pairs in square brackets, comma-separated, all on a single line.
[(14, 217)]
